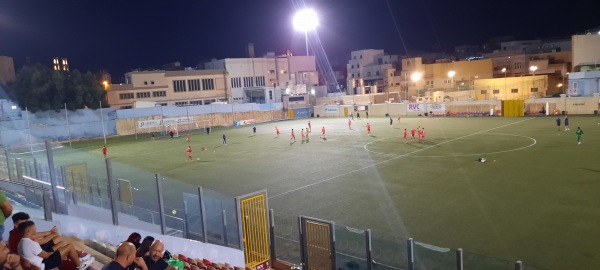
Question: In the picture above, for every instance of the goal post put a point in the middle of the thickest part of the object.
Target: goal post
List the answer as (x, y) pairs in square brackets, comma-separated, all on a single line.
[(193, 127)]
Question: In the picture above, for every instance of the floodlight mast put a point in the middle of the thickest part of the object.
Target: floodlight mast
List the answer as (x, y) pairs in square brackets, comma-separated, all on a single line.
[(306, 20)]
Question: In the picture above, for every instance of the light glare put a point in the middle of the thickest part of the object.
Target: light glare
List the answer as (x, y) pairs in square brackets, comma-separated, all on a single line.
[(416, 76), (305, 20)]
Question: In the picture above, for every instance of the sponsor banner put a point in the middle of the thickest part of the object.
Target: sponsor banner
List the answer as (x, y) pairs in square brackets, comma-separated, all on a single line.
[(331, 110), (165, 122), (436, 107), (244, 122), (416, 107), (301, 113)]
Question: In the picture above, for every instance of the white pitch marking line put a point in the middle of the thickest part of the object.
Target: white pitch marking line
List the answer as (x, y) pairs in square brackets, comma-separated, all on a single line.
[(394, 158)]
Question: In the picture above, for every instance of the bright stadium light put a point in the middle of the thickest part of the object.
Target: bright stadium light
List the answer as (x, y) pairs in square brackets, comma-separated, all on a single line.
[(451, 73), (306, 20)]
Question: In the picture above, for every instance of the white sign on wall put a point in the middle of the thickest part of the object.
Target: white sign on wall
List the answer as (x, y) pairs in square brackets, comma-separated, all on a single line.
[(436, 107), (331, 110), (415, 107), (165, 122)]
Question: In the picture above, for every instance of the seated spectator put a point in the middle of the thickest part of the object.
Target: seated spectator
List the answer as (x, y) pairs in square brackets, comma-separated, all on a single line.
[(135, 239), (7, 260), (145, 246), (47, 240), (154, 259), (125, 258), (33, 252)]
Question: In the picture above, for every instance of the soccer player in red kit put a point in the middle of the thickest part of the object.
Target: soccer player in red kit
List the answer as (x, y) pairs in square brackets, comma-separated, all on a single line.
[(349, 124), (423, 135), (412, 134), (293, 135), (368, 128), (277, 131), (309, 126), (323, 132), (188, 137), (302, 132), (189, 153), (104, 151), (404, 135)]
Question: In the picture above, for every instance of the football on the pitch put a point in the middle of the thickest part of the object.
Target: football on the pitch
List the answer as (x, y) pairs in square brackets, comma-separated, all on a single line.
[(482, 160), (197, 158)]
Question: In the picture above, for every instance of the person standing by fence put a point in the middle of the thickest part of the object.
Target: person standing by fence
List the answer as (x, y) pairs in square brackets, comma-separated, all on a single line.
[(104, 151)]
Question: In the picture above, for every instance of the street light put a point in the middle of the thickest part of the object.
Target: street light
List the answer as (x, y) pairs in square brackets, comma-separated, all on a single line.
[(306, 20), (451, 74), (533, 69), (415, 77), (505, 90)]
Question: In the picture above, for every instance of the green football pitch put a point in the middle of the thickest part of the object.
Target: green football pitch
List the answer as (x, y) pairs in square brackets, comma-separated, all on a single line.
[(536, 199)]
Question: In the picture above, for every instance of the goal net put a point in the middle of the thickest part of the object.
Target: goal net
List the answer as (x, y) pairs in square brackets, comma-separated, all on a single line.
[(194, 127)]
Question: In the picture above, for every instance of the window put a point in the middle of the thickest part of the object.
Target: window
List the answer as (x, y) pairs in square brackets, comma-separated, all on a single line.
[(126, 96), (271, 71), (126, 107), (179, 86), (260, 81), (145, 82), (181, 103), (379, 61), (352, 66), (534, 90), (358, 75), (270, 94), (194, 85), (151, 82), (296, 99), (352, 75), (483, 92), (248, 82), (369, 74), (142, 95), (236, 82), (514, 90), (518, 65), (361, 56), (496, 91), (377, 73), (208, 84), (283, 71), (159, 94), (357, 65), (162, 104), (196, 102), (355, 57)]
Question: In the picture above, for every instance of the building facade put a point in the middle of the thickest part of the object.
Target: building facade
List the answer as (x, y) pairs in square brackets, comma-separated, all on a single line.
[(266, 79), (367, 70), (585, 80), (7, 69), (179, 88)]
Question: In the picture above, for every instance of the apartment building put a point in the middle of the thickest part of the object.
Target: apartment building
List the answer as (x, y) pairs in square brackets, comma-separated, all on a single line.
[(366, 71), (266, 79), (179, 88)]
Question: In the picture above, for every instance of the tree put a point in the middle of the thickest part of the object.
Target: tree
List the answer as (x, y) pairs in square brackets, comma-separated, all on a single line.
[(39, 88)]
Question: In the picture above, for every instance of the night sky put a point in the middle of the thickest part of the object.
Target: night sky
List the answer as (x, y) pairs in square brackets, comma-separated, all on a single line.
[(119, 35)]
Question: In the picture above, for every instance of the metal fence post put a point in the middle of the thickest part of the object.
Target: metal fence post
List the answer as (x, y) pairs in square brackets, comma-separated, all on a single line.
[(18, 163), (161, 204), (272, 236), (185, 220), (47, 206), (225, 228), (8, 166), (202, 214), (112, 194), (53, 181), (303, 258), (410, 254), (333, 254), (35, 169), (459, 259), (518, 265), (369, 249)]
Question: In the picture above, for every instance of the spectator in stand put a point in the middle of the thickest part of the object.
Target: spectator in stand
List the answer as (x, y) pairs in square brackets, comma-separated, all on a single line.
[(154, 259), (47, 240), (145, 246), (33, 252), (124, 258), (135, 239), (7, 209), (7, 260)]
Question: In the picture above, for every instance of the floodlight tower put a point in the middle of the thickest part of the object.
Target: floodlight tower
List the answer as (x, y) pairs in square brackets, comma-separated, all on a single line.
[(306, 20)]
